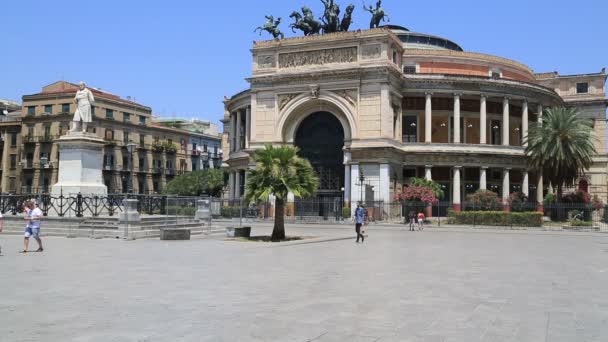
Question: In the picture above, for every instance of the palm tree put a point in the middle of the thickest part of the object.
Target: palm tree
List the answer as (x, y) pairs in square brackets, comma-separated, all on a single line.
[(278, 172), (562, 146)]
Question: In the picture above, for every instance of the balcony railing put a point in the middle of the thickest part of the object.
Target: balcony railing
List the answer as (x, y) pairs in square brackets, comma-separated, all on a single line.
[(28, 138)]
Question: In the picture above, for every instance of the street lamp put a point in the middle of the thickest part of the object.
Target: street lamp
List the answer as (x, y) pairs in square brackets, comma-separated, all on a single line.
[(361, 180), (205, 158), (131, 148), (44, 163)]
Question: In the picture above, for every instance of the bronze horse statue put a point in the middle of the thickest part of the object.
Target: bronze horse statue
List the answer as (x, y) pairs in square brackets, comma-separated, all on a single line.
[(272, 27), (378, 14), (348, 18), (307, 24)]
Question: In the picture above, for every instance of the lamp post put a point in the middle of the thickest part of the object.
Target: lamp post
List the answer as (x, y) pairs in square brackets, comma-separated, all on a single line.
[(130, 148), (205, 158), (44, 163), (361, 180)]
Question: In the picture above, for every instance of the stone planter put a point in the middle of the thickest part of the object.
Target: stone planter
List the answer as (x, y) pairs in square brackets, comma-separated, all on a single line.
[(242, 232), (175, 234)]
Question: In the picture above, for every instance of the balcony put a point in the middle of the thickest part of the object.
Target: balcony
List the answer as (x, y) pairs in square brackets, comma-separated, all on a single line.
[(111, 142), (27, 164), (28, 139), (157, 170), (47, 138)]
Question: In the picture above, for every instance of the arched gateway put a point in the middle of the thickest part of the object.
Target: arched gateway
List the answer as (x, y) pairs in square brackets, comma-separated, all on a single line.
[(320, 138)]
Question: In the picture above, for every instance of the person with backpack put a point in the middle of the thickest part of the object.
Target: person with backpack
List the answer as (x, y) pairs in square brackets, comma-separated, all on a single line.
[(359, 220)]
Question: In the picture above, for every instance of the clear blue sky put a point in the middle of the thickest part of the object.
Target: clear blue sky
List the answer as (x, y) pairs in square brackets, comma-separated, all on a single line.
[(182, 56)]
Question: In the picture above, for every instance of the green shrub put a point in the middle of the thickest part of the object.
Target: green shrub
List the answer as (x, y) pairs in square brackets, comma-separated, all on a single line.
[(180, 211), (346, 212), (579, 223), (497, 218), (230, 212)]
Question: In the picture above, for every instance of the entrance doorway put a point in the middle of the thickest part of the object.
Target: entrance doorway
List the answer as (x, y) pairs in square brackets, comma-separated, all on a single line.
[(320, 138)]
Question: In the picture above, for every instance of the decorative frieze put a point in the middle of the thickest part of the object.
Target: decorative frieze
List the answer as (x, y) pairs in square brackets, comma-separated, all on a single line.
[(371, 51), (266, 62), (318, 57), (349, 95)]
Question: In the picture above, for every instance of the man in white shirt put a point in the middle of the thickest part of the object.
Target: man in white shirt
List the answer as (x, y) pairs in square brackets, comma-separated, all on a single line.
[(32, 229)]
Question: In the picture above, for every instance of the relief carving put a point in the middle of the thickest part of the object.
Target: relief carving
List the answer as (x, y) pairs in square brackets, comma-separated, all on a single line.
[(371, 51), (318, 57), (284, 99), (349, 95), (266, 62)]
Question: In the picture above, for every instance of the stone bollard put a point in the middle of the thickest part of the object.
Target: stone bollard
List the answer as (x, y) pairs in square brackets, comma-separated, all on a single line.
[(203, 210), (129, 218)]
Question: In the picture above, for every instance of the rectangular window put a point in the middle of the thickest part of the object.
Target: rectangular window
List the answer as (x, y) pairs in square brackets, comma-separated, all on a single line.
[(205, 147), (582, 88), (141, 163), (109, 134), (410, 129), (31, 110), (13, 139), (125, 162), (125, 137), (48, 109), (65, 108), (142, 120), (13, 161), (409, 69), (126, 117), (11, 185), (109, 114), (47, 132), (142, 139)]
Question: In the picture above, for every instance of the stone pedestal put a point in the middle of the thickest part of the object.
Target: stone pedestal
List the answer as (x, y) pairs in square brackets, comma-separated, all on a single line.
[(80, 165)]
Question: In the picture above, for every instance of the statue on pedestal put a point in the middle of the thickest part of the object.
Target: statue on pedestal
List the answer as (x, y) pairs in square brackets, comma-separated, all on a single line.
[(272, 27), (83, 100), (377, 13)]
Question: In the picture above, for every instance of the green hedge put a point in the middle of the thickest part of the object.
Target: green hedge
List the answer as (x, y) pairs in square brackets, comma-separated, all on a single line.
[(346, 213), (497, 218), (578, 223), (180, 211)]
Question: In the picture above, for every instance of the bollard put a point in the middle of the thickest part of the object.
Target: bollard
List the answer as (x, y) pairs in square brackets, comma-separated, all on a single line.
[(128, 217)]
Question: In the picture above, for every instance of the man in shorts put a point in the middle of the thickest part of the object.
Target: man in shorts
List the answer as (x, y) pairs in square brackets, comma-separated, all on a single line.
[(33, 215)]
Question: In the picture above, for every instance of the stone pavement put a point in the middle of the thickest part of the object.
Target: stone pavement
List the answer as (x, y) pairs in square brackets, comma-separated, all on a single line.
[(398, 286)]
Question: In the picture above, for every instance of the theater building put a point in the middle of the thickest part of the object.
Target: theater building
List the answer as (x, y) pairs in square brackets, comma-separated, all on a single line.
[(371, 109)]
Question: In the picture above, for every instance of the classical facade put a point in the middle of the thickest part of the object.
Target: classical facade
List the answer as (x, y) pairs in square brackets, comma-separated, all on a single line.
[(371, 109), (205, 143), (30, 155)]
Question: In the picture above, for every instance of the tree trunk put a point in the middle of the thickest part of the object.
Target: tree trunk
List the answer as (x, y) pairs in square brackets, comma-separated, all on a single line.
[(278, 232)]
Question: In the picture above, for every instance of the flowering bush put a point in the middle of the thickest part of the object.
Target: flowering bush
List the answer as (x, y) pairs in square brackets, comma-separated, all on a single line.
[(416, 194), (577, 197), (484, 200), (597, 203), (517, 201)]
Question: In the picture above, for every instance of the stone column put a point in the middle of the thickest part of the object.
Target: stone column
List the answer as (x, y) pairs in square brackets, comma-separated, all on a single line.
[(539, 112), (524, 123), (456, 202), (482, 120), (428, 172), (385, 183), (483, 179), (247, 125), (506, 186), (505, 122), (456, 118), (347, 185), (232, 132), (237, 184), (231, 185), (525, 183), (238, 130), (355, 188), (6, 162), (37, 165), (428, 117)]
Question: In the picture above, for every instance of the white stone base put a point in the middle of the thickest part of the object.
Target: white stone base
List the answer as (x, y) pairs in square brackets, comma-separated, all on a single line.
[(80, 165)]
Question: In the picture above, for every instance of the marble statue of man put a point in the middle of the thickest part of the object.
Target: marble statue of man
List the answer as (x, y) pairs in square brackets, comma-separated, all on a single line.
[(84, 99)]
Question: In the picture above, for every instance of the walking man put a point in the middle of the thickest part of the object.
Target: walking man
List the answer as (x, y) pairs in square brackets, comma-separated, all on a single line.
[(412, 218), (33, 215), (359, 219)]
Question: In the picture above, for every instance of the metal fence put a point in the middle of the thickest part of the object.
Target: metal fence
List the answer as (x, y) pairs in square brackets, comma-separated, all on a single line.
[(557, 215), (79, 205)]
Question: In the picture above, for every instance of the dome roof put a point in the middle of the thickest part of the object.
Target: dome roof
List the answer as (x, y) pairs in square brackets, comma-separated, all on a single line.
[(414, 40)]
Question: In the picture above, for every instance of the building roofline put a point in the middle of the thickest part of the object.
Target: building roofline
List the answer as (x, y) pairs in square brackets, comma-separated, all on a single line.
[(541, 76)]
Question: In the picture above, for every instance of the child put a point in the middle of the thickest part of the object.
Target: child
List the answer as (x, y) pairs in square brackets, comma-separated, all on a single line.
[(420, 220)]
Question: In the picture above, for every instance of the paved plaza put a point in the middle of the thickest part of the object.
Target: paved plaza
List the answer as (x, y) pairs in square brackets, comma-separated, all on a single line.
[(398, 286)]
